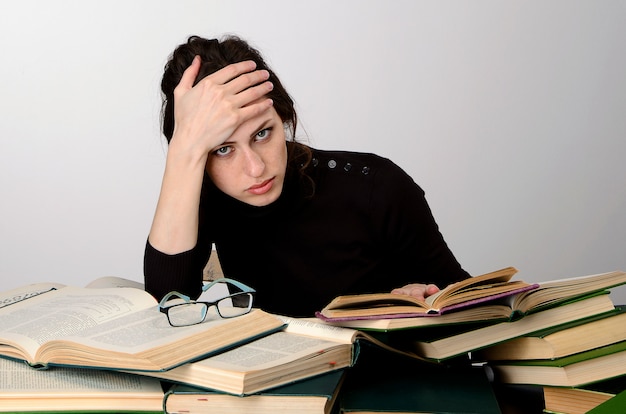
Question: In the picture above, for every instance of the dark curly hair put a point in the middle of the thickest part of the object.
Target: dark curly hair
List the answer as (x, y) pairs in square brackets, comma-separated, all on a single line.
[(215, 55)]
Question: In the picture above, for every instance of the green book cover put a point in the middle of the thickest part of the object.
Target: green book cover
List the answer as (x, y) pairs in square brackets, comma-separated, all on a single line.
[(386, 384), (321, 385), (621, 309), (561, 340), (192, 399), (572, 359), (571, 371), (610, 386), (435, 333), (614, 405)]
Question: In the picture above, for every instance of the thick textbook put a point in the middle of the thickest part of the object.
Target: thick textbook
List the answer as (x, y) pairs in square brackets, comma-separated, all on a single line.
[(556, 342), (616, 404), (571, 371), (447, 343), (397, 385), (546, 295), (304, 349), (579, 400), (24, 389), (456, 296), (315, 395), (116, 328)]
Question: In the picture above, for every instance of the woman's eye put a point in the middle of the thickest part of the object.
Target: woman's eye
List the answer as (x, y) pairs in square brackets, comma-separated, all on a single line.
[(222, 151), (263, 134)]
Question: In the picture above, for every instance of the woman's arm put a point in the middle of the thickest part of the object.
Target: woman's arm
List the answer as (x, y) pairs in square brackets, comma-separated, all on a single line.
[(205, 116)]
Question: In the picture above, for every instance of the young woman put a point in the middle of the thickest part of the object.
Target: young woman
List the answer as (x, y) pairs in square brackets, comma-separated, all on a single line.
[(298, 224)]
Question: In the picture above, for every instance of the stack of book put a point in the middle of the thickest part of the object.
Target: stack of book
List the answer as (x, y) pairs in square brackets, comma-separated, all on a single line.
[(456, 327), (565, 336), (106, 346), (579, 365)]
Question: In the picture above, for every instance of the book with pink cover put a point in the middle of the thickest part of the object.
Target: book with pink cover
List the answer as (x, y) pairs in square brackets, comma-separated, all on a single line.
[(487, 297), (466, 293)]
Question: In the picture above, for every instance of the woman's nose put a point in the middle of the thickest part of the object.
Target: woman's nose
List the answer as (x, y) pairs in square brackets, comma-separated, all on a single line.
[(254, 165)]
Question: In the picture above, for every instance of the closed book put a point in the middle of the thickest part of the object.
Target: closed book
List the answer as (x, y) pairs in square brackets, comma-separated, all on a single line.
[(579, 400), (571, 371), (444, 343), (556, 342), (614, 405), (314, 395), (60, 389), (392, 385)]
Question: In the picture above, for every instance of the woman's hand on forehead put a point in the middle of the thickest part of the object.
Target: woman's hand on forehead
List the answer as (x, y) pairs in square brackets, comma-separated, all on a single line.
[(208, 113)]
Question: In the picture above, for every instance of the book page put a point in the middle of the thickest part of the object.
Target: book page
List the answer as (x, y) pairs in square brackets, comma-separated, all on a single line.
[(439, 299), (317, 328), (267, 352), (108, 319), (608, 279), (25, 292), (114, 282), (65, 312), (117, 328), (18, 379)]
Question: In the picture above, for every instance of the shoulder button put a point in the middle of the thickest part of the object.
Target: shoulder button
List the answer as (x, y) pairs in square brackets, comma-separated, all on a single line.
[(347, 167), (332, 164), (365, 170)]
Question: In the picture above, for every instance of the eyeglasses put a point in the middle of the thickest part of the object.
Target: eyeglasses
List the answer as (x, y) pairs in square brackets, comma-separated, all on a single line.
[(181, 310)]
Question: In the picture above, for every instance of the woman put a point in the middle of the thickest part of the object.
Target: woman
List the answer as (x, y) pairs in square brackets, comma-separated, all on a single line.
[(298, 224)]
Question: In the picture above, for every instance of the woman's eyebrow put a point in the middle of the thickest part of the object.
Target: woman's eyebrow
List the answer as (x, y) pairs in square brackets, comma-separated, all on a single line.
[(261, 127)]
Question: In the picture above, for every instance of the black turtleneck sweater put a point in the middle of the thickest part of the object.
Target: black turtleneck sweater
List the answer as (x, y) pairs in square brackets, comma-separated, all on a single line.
[(367, 228)]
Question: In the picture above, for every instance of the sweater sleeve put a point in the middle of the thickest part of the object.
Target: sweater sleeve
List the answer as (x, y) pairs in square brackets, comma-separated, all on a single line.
[(182, 272)]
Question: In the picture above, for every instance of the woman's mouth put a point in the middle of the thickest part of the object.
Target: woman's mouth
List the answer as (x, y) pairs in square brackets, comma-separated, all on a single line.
[(262, 188)]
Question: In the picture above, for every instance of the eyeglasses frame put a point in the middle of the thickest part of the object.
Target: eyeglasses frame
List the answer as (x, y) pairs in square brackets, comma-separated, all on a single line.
[(244, 289)]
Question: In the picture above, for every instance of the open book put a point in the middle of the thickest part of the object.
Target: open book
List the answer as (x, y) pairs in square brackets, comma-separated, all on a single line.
[(75, 389), (459, 295), (542, 295), (307, 347), (116, 328)]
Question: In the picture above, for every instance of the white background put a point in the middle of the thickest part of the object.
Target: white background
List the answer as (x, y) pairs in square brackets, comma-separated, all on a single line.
[(511, 116)]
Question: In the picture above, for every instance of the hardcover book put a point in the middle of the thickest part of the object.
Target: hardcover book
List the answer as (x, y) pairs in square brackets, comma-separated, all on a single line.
[(616, 404), (24, 389), (116, 328), (571, 371), (305, 348), (514, 305), (556, 342), (456, 296), (315, 395), (448, 343), (579, 400), (397, 385)]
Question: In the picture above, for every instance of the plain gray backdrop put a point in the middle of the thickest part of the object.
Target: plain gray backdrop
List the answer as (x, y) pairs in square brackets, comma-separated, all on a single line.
[(510, 115)]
